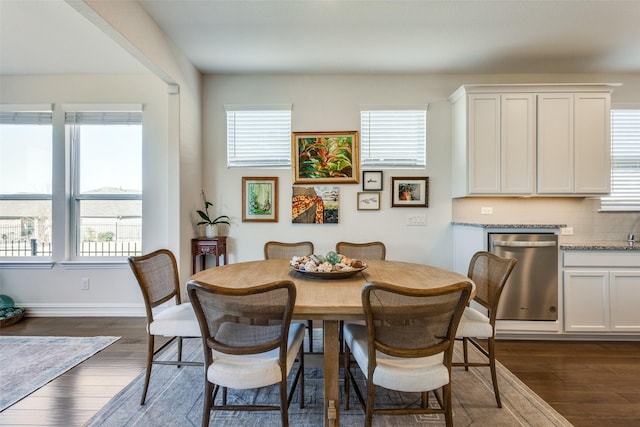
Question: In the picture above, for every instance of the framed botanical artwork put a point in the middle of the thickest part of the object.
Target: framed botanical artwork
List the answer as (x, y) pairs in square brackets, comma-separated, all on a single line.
[(371, 180), (325, 157), (260, 199), (412, 191), (368, 201)]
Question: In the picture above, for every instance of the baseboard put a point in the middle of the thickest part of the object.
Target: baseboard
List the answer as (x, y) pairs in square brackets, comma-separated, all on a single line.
[(84, 310)]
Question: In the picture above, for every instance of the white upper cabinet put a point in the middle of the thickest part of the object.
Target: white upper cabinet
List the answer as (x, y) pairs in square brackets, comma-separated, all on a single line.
[(574, 143), (531, 140)]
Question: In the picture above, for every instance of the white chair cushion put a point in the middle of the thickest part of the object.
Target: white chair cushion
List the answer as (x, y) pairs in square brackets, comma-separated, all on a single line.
[(474, 324), (256, 370), (397, 373), (176, 321)]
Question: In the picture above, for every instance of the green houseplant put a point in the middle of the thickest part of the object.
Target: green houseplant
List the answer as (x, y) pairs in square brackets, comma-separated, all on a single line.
[(210, 224)]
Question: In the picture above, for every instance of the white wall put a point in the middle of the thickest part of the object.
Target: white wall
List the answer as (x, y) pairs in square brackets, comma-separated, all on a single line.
[(56, 291), (332, 103), (319, 103)]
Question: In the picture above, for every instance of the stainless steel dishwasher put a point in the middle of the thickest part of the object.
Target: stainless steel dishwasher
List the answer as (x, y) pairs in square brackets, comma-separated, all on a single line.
[(531, 292)]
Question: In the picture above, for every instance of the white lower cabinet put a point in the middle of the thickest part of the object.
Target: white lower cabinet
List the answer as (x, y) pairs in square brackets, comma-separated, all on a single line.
[(601, 299), (624, 294), (586, 301)]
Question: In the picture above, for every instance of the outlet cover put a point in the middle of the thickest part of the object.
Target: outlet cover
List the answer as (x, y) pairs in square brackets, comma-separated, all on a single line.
[(84, 283), (566, 231), (485, 210)]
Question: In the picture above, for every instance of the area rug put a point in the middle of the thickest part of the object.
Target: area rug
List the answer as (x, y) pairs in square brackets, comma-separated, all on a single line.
[(28, 363), (175, 399)]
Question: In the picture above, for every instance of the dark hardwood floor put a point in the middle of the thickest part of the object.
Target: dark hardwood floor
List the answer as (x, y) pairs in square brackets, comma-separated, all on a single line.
[(590, 383)]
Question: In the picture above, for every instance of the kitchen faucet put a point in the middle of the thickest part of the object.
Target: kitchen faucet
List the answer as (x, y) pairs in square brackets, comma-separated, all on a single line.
[(632, 237)]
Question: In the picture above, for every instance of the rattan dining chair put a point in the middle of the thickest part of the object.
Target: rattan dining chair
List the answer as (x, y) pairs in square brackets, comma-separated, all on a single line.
[(283, 250), (157, 275), (249, 342), (369, 250), (490, 273), (406, 345)]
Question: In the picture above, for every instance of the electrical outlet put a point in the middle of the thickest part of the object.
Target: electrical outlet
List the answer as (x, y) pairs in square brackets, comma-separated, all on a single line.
[(566, 231), (84, 284), (486, 210), (417, 220)]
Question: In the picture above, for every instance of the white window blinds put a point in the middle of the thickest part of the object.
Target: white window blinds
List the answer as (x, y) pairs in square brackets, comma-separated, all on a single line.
[(393, 138), (258, 137), (625, 161)]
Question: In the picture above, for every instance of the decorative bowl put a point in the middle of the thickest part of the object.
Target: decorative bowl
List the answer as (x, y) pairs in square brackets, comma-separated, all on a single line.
[(331, 275)]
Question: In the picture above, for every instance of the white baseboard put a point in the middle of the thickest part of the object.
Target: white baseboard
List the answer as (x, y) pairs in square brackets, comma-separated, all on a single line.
[(84, 310)]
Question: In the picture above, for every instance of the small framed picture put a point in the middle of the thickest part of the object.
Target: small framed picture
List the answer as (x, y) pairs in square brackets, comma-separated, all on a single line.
[(410, 192), (372, 181), (260, 199), (368, 201)]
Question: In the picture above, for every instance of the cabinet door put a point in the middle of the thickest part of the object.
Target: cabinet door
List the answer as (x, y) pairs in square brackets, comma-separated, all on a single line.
[(624, 292), (592, 143), (586, 300), (484, 144), (518, 138), (555, 143)]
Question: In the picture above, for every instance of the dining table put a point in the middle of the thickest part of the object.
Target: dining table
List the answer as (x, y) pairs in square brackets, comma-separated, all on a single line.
[(330, 299)]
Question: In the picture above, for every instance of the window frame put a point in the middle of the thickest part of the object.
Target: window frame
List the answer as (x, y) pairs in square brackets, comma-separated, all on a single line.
[(617, 203), (76, 197), (261, 159), (31, 114), (417, 158)]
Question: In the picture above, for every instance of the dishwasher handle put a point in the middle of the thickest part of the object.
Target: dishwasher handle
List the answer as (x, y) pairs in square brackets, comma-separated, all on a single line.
[(523, 244)]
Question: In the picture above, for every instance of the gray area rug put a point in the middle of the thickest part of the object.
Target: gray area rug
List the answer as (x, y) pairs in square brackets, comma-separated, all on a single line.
[(175, 399), (28, 363)]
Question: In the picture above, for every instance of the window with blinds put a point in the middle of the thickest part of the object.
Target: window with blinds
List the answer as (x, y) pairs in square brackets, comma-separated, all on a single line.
[(106, 176), (258, 137), (625, 161), (393, 138), (26, 179)]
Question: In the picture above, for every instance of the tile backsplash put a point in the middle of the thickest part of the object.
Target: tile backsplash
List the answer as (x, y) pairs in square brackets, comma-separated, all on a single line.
[(582, 214)]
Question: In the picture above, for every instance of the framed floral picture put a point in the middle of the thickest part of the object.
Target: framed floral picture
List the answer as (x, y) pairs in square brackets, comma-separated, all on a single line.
[(325, 157), (371, 180), (412, 191), (260, 199), (368, 201)]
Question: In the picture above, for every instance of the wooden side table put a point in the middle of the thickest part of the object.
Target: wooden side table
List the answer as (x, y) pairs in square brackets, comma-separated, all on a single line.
[(212, 246)]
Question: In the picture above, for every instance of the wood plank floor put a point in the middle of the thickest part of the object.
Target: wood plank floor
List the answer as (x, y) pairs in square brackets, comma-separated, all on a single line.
[(590, 383)]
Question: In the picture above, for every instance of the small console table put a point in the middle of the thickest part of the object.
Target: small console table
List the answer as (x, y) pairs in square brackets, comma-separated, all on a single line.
[(212, 246)]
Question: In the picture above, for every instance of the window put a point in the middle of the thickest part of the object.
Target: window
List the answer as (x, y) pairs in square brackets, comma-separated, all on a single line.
[(26, 148), (393, 138), (625, 161), (106, 175), (258, 136)]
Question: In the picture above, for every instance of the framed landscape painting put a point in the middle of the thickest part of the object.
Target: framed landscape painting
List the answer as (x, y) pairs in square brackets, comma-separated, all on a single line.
[(325, 157), (260, 199)]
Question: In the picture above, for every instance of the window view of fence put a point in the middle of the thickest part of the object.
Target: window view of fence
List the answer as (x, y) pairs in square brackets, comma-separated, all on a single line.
[(110, 238)]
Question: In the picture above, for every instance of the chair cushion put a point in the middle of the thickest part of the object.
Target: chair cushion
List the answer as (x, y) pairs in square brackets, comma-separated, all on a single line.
[(397, 373), (474, 324), (256, 370), (176, 321)]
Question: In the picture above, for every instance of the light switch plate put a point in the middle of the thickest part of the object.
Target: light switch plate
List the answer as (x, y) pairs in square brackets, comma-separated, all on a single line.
[(419, 220)]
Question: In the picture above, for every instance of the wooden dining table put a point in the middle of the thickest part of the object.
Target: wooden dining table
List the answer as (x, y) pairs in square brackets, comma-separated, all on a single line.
[(329, 300)]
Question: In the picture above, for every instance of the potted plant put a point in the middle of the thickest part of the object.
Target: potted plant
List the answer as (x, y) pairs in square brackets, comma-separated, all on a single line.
[(210, 224)]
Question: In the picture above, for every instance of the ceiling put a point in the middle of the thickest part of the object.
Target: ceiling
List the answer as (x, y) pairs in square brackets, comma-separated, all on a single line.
[(338, 36)]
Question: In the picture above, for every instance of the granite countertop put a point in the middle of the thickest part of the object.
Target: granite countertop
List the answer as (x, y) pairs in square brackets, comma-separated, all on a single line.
[(600, 245), (509, 226)]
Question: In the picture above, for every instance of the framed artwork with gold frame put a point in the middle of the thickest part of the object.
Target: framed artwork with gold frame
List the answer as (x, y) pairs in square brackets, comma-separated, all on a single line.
[(325, 157)]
